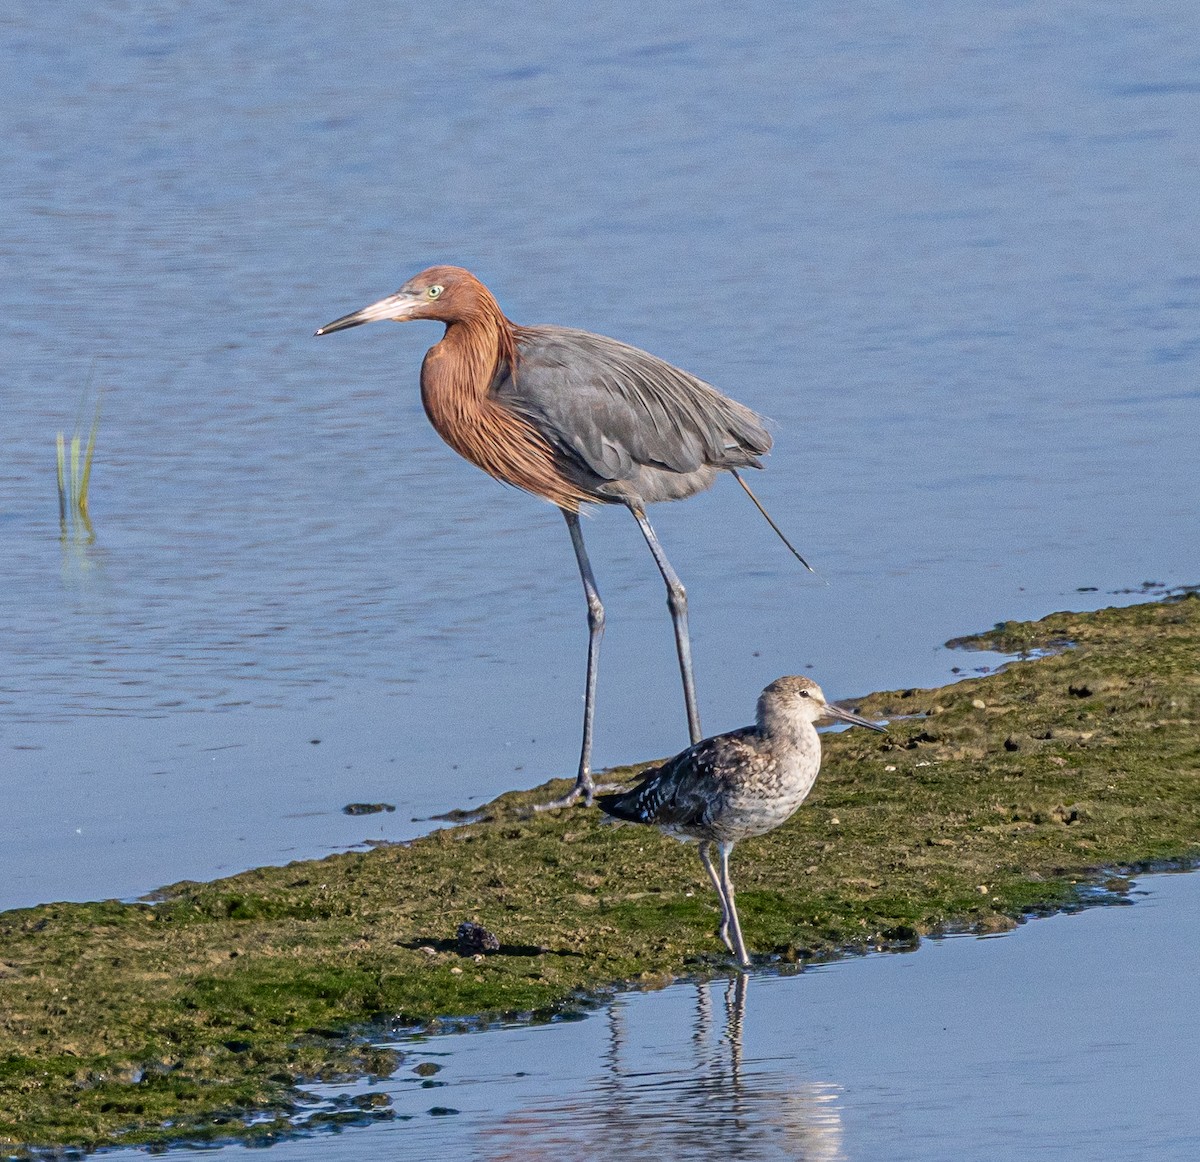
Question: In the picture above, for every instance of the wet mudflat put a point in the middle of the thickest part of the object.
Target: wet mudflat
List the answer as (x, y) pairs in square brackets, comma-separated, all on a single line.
[(1067, 1038), (209, 1013)]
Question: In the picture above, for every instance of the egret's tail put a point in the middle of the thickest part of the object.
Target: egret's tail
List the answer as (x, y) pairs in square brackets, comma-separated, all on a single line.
[(767, 517)]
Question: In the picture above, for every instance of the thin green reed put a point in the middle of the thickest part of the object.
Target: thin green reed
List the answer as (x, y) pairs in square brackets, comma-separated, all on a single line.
[(75, 471)]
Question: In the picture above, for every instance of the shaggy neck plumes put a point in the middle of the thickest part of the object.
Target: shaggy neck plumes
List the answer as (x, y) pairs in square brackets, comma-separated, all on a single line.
[(456, 378)]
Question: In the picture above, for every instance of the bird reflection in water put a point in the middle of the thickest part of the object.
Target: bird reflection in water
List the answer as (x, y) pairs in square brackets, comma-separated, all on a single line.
[(708, 1102)]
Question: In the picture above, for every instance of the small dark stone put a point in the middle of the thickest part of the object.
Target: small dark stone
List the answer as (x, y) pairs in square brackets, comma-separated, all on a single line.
[(473, 938), (441, 1111), (924, 736), (368, 1101), (1011, 743), (1080, 691), (367, 808), (426, 1069)]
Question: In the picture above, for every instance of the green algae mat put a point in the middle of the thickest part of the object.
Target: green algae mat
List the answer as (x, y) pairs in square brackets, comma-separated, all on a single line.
[(202, 1015)]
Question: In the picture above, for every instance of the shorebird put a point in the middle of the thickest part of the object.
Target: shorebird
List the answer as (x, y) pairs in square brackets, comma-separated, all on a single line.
[(732, 786)]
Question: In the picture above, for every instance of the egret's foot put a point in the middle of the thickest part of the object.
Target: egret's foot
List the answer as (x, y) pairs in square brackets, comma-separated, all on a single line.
[(568, 800), (585, 789)]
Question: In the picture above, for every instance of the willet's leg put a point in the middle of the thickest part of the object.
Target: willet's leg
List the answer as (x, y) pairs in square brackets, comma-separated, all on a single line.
[(677, 604), (739, 945), (706, 859), (585, 785)]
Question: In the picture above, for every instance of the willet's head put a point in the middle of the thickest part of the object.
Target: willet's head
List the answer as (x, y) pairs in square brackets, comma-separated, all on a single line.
[(794, 699)]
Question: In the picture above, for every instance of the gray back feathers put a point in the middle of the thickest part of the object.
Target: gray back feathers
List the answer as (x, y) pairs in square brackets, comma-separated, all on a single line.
[(617, 415)]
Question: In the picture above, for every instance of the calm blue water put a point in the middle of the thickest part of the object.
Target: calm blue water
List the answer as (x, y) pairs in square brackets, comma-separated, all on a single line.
[(951, 249)]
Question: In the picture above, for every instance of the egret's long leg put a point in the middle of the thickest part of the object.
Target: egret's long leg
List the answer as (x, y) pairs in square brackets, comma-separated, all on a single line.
[(677, 604), (585, 785)]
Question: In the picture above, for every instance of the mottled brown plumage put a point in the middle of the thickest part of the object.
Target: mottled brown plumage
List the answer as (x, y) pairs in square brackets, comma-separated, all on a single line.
[(732, 786)]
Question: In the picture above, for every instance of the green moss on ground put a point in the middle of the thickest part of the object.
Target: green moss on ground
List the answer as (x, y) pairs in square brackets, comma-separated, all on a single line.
[(988, 799)]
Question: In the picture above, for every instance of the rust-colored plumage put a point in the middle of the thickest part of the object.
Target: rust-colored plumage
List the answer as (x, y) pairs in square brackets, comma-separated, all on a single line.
[(456, 380), (573, 417)]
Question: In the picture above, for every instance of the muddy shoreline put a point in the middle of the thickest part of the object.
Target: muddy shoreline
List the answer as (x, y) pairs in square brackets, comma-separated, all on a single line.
[(990, 800)]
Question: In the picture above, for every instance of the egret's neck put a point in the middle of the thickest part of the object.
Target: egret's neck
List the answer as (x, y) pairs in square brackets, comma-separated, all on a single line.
[(456, 381), (463, 365)]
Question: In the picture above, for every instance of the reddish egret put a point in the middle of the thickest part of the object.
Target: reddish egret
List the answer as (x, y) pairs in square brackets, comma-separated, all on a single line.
[(573, 417), (736, 785)]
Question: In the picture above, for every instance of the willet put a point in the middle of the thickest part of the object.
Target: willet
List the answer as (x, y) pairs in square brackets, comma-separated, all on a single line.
[(736, 785)]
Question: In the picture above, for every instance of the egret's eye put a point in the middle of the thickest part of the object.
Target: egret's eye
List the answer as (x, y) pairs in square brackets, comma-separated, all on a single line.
[(434, 291)]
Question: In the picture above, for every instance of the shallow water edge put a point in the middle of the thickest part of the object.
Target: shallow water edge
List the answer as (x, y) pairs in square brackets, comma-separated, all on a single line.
[(989, 800)]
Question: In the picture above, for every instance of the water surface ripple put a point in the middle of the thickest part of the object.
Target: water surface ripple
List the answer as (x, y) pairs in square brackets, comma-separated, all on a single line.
[(949, 249)]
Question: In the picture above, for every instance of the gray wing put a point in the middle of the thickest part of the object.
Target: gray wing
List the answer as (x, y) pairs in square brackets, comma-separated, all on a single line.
[(615, 408), (688, 790)]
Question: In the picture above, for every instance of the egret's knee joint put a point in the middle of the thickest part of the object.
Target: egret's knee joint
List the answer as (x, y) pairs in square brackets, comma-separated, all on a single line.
[(677, 598)]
